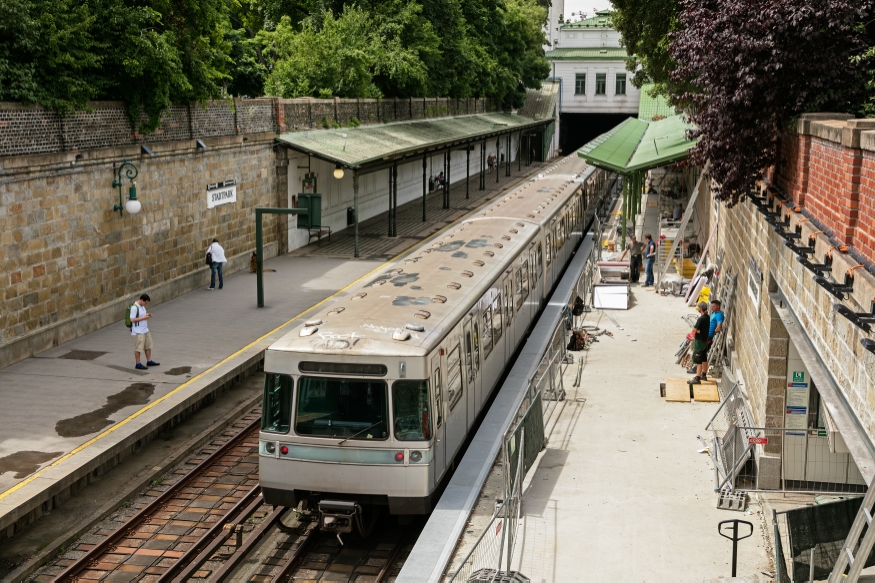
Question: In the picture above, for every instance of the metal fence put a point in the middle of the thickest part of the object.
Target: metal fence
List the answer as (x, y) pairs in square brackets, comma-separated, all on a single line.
[(490, 558)]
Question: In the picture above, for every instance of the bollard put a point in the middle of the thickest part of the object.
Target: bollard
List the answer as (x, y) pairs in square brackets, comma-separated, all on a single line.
[(734, 538)]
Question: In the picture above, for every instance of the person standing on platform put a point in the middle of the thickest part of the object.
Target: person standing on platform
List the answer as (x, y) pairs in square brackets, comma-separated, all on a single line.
[(140, 332), (217, 256), (636, 251), (678, 212), (649, 259), (700, 344)]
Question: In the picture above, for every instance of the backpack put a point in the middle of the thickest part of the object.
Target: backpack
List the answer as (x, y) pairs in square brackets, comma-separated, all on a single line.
[(128, 322), (579, 306)]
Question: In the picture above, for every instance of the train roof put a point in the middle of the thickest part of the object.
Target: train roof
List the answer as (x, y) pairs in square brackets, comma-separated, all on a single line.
[(439, 280)]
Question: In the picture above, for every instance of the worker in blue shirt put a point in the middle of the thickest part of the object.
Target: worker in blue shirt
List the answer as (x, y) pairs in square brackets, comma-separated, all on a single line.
[(716, 325)]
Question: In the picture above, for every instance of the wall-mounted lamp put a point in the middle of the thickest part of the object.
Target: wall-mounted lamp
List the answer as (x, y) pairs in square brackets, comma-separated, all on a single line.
[(132, 205), (338, 171), (144, 149), (201, 144), (862, 320)]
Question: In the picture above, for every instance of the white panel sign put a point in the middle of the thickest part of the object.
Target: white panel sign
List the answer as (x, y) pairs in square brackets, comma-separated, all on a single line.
[(221, 193)]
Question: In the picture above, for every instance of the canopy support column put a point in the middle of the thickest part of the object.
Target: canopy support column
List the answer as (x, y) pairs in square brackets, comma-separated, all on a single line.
[(519, 156), (390, 202), (497, 157), (507, 157), (395, 200), (467, 170), (424, 185), (355, 211), (483, 165)]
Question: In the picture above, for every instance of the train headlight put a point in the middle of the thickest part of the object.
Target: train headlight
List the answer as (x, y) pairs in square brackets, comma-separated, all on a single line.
[(269, 447), (284, 450), (415, 456), (399, 457)]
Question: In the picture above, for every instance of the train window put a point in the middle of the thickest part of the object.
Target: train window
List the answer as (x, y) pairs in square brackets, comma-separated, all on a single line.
[(476, 345), (508, 302), (454, 374), (524, 272), (496, 318), (549, 248), (468, 357), (277, 403), (341, 408), (518, 288), (411, 407), (540, 261), (487, 331), (437, 395)]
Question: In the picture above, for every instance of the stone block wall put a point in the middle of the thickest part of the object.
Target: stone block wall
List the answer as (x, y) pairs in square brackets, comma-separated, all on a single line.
[(71, 263)]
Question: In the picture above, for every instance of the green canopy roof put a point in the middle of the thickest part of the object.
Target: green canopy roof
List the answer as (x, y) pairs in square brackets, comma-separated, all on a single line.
[(636, 145), (369, 145), (588, 54), (650, 107)]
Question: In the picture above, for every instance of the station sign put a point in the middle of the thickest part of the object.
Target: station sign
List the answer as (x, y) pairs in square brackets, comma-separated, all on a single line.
[(221, 193), (757, 440)]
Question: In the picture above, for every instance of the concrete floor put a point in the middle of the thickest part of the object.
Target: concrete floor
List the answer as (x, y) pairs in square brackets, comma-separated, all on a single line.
[(620, 493)]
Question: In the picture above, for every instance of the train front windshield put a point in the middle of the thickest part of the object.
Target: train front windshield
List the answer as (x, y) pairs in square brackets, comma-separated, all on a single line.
[(342, 408)]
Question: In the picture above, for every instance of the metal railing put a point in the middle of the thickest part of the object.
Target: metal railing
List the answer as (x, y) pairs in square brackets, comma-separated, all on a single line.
[(490, 558)]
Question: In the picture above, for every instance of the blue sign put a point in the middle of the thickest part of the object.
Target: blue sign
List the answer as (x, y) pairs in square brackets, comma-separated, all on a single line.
[(796, 410), (798, 385)]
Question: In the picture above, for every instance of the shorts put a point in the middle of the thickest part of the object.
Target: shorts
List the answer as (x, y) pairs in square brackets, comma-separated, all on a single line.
[(700, 351), (143, 342)]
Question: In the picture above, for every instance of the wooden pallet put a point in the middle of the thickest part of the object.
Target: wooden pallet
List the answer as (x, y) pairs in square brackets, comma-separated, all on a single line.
[(677, 390), (706, 392)]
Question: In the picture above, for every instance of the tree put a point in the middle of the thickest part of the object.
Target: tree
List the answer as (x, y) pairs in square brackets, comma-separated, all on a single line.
[(644, 27), (753, 66)]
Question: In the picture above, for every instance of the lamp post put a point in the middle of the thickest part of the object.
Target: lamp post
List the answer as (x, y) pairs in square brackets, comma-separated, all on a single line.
[(132, 205)]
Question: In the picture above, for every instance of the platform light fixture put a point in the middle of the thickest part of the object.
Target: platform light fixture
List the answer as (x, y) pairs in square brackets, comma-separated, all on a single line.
[(338, 171), (132, 205)]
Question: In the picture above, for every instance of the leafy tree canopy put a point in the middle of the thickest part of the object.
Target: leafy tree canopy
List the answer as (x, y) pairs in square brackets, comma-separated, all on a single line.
[(150, 53), (744, 69)]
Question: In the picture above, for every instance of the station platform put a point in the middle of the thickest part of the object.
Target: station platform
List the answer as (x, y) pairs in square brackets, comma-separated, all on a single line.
[(621, 492), (73, 412)]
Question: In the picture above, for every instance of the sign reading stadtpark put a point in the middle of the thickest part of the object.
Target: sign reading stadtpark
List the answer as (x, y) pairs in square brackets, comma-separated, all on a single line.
[(221, 193), (757, 440)]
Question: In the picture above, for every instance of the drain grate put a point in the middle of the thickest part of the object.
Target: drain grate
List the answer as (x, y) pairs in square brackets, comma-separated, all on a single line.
[(732, 500), (82, 355), (491, 576)]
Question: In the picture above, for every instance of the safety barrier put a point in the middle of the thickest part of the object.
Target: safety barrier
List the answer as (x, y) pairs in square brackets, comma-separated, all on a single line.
[(521, 445)]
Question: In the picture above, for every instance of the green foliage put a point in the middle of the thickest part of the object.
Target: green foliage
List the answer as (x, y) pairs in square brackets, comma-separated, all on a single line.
[(151, 53), (644, 26), (353, 122)]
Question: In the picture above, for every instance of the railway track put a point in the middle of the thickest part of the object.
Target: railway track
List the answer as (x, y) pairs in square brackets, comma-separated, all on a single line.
[(211, 525)]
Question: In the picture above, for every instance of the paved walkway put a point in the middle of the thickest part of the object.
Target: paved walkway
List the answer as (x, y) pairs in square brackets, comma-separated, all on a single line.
[(620, 493), (69, 408)]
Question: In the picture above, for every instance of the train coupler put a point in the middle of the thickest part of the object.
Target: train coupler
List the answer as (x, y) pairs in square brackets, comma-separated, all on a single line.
[(337, 516)]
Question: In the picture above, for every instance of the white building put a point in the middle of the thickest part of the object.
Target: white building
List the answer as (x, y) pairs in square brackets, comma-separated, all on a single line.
[(554, 20), (592, 67)]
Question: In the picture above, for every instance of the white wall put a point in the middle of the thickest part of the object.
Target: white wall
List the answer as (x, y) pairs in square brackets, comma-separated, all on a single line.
[(337, 195), (592, 103), (551, 32), (588, 37)]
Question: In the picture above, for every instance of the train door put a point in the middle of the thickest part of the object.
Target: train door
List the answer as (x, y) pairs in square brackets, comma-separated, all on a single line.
[(508, 315), (472, 368), (440, 460)]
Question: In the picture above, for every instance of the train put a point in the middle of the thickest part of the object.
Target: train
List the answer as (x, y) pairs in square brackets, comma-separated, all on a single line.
[(367, 403)]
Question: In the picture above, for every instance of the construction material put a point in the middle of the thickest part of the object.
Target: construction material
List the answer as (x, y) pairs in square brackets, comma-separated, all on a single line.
[(729, 500), (706, 391), (677, 390)]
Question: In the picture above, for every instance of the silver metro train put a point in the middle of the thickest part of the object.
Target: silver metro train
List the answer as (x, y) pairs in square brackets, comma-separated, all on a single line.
[(368, 403)]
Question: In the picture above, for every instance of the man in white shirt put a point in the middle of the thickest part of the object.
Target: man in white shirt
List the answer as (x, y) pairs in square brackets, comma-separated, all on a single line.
[(140, 332), (218, 259)]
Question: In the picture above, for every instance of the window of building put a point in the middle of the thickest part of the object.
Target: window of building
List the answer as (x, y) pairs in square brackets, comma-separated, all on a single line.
[(580, 84), (600, 83), (621, 84)]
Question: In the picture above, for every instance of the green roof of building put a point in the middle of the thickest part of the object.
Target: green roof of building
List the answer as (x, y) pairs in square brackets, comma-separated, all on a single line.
[(601, 19), (636, 145), (587, 53), (650, 107), (366, 145), (541, 103)]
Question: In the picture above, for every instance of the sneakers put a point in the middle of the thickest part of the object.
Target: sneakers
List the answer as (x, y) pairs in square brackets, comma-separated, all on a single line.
[(152, 363), (703, 377), (210, 288), (694, 381), (141, 367)]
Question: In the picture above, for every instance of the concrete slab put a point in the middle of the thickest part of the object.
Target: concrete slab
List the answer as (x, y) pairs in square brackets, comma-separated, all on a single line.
[(620, 493)]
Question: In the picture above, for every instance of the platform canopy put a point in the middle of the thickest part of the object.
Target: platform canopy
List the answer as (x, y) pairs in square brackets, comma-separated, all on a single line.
[(367, 148), (636, 145)]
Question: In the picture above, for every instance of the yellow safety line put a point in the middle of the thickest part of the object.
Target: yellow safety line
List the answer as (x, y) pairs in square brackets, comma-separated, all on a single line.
[(100, 436)]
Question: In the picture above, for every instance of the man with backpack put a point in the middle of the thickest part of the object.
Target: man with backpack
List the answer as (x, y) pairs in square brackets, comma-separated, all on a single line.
[(140, 331)]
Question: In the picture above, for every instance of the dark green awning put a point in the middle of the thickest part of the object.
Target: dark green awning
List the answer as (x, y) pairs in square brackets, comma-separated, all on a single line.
[(636, 145)]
